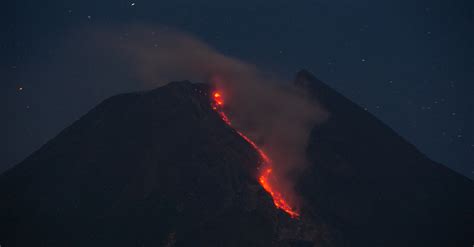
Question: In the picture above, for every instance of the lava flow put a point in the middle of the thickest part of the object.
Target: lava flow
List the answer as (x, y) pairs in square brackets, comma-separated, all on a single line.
[(266, 175)]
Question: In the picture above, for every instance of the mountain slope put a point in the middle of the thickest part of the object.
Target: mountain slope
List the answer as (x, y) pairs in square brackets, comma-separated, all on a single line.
[(162, 168), (155, 168), (380, 189)]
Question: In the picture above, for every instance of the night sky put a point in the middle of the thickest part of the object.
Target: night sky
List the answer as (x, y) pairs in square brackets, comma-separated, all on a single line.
[(409, 62)]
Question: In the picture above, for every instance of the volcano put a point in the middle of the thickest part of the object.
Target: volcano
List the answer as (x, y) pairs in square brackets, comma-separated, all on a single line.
[(166, 168)]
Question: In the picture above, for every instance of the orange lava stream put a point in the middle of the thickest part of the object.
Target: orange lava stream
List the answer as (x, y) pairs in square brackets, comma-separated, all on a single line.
[(266, 172)]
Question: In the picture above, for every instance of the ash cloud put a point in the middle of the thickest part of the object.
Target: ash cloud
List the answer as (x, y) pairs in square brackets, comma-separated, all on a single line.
[(265, 108)]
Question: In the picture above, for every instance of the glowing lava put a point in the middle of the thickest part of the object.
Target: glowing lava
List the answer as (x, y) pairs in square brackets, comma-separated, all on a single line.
[(266, 176)]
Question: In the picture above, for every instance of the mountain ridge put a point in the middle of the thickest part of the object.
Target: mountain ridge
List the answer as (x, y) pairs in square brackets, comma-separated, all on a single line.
[(359, 161), (162, 168)]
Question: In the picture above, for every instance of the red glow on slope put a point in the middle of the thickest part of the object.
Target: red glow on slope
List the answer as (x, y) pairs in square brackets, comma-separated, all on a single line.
[(218, 99), (266, 177)]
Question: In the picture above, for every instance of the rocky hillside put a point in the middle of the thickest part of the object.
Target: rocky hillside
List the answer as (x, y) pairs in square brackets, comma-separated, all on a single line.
[(376, 187), (161, 168)]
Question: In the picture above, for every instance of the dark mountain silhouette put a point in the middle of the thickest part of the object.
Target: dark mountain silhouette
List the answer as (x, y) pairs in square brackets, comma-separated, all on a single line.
[(379, 189), (158, 168), (161, 168)]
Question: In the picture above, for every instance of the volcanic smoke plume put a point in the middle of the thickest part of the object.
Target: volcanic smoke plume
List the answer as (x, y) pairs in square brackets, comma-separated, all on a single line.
[(275, 116)]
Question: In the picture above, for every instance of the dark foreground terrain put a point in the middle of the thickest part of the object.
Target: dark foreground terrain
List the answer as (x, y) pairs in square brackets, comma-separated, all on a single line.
[(161, 168)]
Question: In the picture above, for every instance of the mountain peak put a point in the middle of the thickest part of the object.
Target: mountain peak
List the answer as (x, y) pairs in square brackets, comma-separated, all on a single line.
[(162, 167), (303, 77), (145, 169)]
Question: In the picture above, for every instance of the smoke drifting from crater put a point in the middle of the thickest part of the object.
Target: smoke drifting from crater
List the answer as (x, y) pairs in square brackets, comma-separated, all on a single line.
[(267, 109)]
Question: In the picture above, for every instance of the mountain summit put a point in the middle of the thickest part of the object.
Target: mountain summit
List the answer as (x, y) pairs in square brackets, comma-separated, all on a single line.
[(162, 168), (379, 188), (158, 168)]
